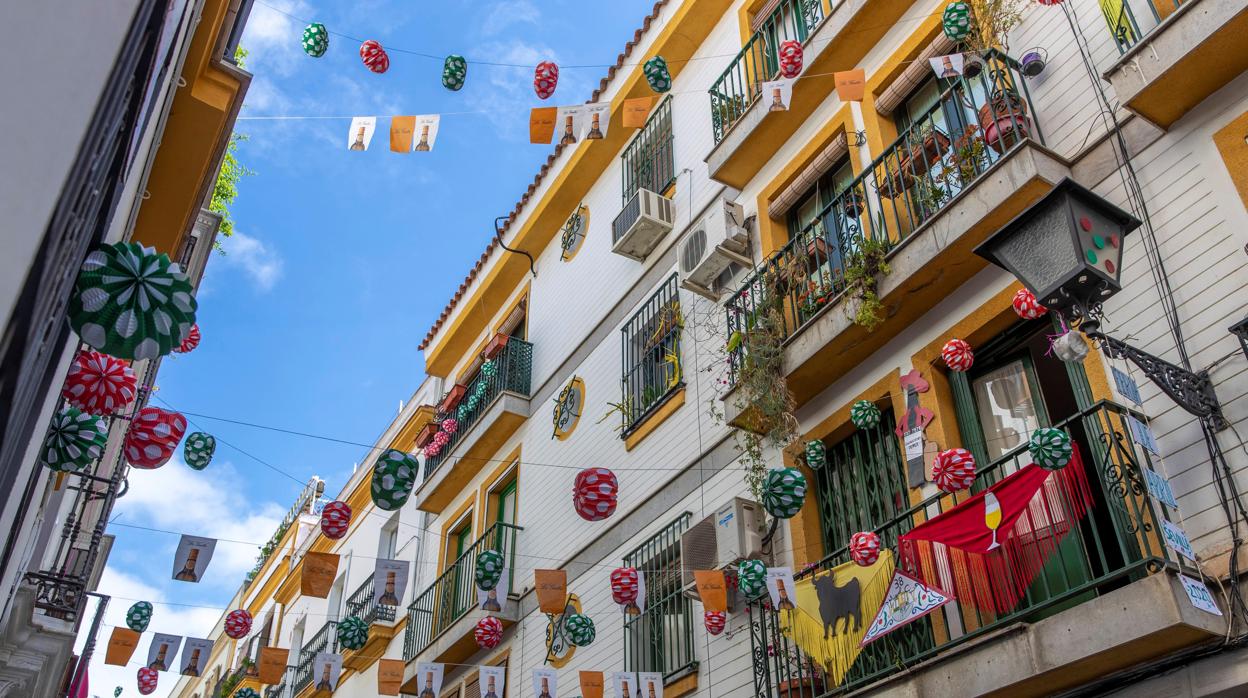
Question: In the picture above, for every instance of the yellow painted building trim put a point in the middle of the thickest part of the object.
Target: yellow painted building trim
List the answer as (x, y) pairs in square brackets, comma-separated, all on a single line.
[(487, 495), (577, 384), (462, 514), (684, 686), (405, 440), (654, 420), (881, 128), (1232, 143), (565, 257)]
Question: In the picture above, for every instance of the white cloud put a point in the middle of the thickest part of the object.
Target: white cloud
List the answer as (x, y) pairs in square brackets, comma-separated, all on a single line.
[(504, 14), (272, 39), (508, 93), (257, 260)]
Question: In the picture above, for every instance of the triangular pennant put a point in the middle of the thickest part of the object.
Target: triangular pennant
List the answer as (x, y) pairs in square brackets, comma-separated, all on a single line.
[(907, 600)]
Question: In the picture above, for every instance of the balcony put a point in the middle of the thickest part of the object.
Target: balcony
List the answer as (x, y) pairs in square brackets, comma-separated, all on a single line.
[(439, 625), (1112, 570), (835, 34), (325, 640), (1174, 53), (379, 617), (285, 689), (956, 174), (501, 409)]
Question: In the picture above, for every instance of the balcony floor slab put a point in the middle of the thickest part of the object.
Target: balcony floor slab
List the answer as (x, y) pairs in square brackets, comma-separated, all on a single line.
[(491, 431)]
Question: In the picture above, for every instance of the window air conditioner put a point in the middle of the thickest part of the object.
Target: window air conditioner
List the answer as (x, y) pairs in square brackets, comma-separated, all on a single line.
[(646, 218), (717, 240), (733, 533)]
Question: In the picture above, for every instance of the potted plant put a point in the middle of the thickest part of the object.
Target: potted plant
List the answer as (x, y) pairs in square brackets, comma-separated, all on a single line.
[(1004, 119), (496, 346), (452, 398), (852, 203), (969, 155), (932, 146)]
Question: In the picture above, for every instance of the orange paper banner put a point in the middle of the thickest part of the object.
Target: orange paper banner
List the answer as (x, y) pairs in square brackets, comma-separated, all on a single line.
[(272, 664), (318, 574), (389, 676), (542, 124), (851, 85), (552, 589), (401, 130), (121, 646), (636, 111), (591, 684), (711, 589)]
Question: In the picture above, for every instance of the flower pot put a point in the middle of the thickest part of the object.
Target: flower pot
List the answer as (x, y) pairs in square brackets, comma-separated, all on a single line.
[(853, 205), (896, 182), (1006, 131), (1033, 63), (817, 247), (453, 397), (426, 434), (1003, 104), (496, 346), (808, 687)]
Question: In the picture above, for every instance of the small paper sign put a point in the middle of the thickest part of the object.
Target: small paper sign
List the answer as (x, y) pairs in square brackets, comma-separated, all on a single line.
[(429, 678), (492, 601), (591, 684), (851, 85), (552, 590), (636, 111), (907, 600), (426, 132), (712, 589), (493, 681), (624, 684), (947, 67), (121, 646), (780, 588), (914, 445), (777, 93), (318, 574), (401, 130), (1176, 538), (161, 652), (195, 653), (569, 122), (389, 676), (1142, 434), (191, 558), (597, 119), (1159, 488), (389, 582), (361, 133), (542, 124), (1199, 595), (1126, 386), (651, 684), (545, 683), (326, 670), (272, 664)]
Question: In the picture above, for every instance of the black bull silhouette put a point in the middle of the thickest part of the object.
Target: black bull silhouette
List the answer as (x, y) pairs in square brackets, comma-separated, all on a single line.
[(836, 602)]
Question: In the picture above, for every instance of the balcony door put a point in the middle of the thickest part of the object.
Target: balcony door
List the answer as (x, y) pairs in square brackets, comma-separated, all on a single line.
[(461, 592)]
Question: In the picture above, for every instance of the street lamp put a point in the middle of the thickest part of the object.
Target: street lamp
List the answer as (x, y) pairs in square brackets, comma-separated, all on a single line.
[(1067, 249)]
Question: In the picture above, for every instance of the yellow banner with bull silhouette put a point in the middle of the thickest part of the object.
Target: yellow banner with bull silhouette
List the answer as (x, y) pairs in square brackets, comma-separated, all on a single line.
[(833, 611)]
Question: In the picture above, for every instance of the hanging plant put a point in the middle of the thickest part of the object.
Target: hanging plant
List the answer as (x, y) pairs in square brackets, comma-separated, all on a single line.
[(863, 269)]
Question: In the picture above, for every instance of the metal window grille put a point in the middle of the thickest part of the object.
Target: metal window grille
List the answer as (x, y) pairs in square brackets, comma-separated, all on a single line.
[(648, 161), (862, 485), (651, 347), (660, 639)]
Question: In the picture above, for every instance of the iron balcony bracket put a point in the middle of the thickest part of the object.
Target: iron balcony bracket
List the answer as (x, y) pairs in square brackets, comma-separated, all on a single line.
[(1192, 391)]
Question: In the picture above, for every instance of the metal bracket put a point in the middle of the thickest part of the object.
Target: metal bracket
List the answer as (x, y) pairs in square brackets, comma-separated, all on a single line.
[(498, 235), (1191, 391), (860, 139)]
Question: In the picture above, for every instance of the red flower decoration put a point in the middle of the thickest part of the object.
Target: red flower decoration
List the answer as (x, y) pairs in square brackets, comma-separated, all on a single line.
[(790, 58), (99, 384), (238, 624), (957, 355), (624, 585), (153, 435), (1026, 305), (715, 621), (488, 633), (374, 56), (594, 493), (335, 520), (190, 341), (953, 470), (545, 79), (864, 548), (147, 680)]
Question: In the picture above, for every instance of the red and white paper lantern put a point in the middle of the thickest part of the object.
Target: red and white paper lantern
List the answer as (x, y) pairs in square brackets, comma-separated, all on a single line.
[(99, 384), (488, 633), (147, 680), (335, 520), (374, 56), (715, 621), (953, 470), (594, 493), (441, 439), (1026, 305), (545, 79), (790, 58), (450, 425), (624, 585), (153, 436), (237, 624), (957, 355), (864, 548), (190, 341), (432, 450)]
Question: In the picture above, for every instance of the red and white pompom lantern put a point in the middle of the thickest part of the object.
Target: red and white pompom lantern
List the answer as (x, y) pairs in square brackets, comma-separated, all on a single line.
[(957, 355), (595, 493), (715, 621), (374, 56), (153, 436), (624, 585), (238, 624), (488, 633), (953, 470), (432, 450), (147, 680), (190, 341), (450, 425), (335, 520), (441, 439), (99, 384), (1026, 305), (545, 79), (864, 548), (790, 58)]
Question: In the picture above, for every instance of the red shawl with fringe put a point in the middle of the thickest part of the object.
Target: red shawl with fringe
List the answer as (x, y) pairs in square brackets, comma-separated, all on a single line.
[(955, 552)]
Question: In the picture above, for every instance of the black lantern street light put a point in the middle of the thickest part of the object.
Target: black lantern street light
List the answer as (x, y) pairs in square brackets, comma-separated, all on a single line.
[(1067, 249)]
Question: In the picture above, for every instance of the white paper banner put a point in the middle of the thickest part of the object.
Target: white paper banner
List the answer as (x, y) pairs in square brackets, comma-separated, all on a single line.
[(907, 600), (192, 557), (777, 93), (597, 119), (947, 66), (623, 685), (426, 132), (162, 651), (493, 681), (326, 669), (195, 653), (569, 124), (389, 582), (429, 678), (493, 600), (780, 587), (651, 684), (545, 683), (361, 133)]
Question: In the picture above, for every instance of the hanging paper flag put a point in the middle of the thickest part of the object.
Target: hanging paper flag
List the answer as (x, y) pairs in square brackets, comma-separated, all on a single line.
[(778, 93), (139, 615), (956, 21), (454, 72), (651, 684), (394, 475), (784, 490), (131, 302), (624, 683), (595, 493), (402, 130), (272, 664), (390, 676), (121, 646), (147, 679), (545, 683), (326, 670), (993, 545), (598, 118), (189, 342), (907, 600), (99, 384), (953, 470), (488, 633), (237, 624), (374, 56), (715, 621), (552, 590), (957, 355), (427, 127), (947, 67), (1026, 305), (780, 587), (429, 678), (194, 660), (569, 123), (74, 440), (712, 589), (315, 40), (191, 558), (636, 111), (161, 652), (1050, 448), (864, 414), (592, 684), (389, 582), (491, 600), (851, 85), (625, 583), (153, 436), (545, 79), (864, 548), (199, 449), (318, 574), (657, 74), (361, 133), (335, 520), (751, 578), (352, 633), (494, 680), (790, 58)]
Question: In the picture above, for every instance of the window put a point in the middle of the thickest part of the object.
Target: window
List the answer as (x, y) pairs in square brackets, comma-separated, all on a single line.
[(651, 340), (648, 161), (661, 637), (388, 545), (862, 484)]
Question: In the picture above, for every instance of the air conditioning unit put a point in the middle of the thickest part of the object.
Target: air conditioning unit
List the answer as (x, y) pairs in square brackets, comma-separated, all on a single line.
[(717, 240), (646, 218), (733, 533)]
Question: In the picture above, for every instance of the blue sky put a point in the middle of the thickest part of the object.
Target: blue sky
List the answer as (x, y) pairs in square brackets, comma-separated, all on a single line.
[(340, 263)]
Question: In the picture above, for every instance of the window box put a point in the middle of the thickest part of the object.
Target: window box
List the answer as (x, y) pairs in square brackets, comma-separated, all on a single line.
[(496, 345), (426, 434), (452, 398)]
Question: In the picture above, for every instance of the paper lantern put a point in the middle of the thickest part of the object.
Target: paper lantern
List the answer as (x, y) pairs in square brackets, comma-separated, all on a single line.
[(237, 624), (490, 564), (454, 72), (1050, 448), (394, 475), (335, 520), (784, 490), (957, 21), (352, 633), (432, 450), (441, 439), (657, 74), (189, 342), (751, 578), (579, 630), (153, 436), (864, 548), (816, 454), (957, 355), (624, 585), (1026, 305), (715, 621), (198, 450), (1049, 3), (315, 40), (131, 302), (790, 58), (953, 470), (99, 384), (139, 615), (1071, 347), (450, 425), (489, 369), (246, 692), (545, 79), (374, 57), (74, 439), (488, 633), (864, 414), (594, 493), (147, 678)]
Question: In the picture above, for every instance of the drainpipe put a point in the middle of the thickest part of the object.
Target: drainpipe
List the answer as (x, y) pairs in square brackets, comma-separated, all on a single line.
[(88, 648)]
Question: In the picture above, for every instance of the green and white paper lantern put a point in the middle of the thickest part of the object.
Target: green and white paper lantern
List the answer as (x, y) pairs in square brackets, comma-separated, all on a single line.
[(784, 490), (489, 569), (579, 629), (394, 475), (1050, 448), (198, 450), (454, 72), (816, 454), (864, 414), (957, 21), (752, 578), (489, 368), (315, 40), (657, 74), (352, 633), (74, 439), (139, 615), (247, 692)]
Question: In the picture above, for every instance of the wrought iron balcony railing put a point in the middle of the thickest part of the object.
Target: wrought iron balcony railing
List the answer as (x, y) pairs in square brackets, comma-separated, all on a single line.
[(513, 374), (284, 689), (325, 640), (938, 157), (361, 604), (1126, 29), (453, 594), (1116, 544)]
